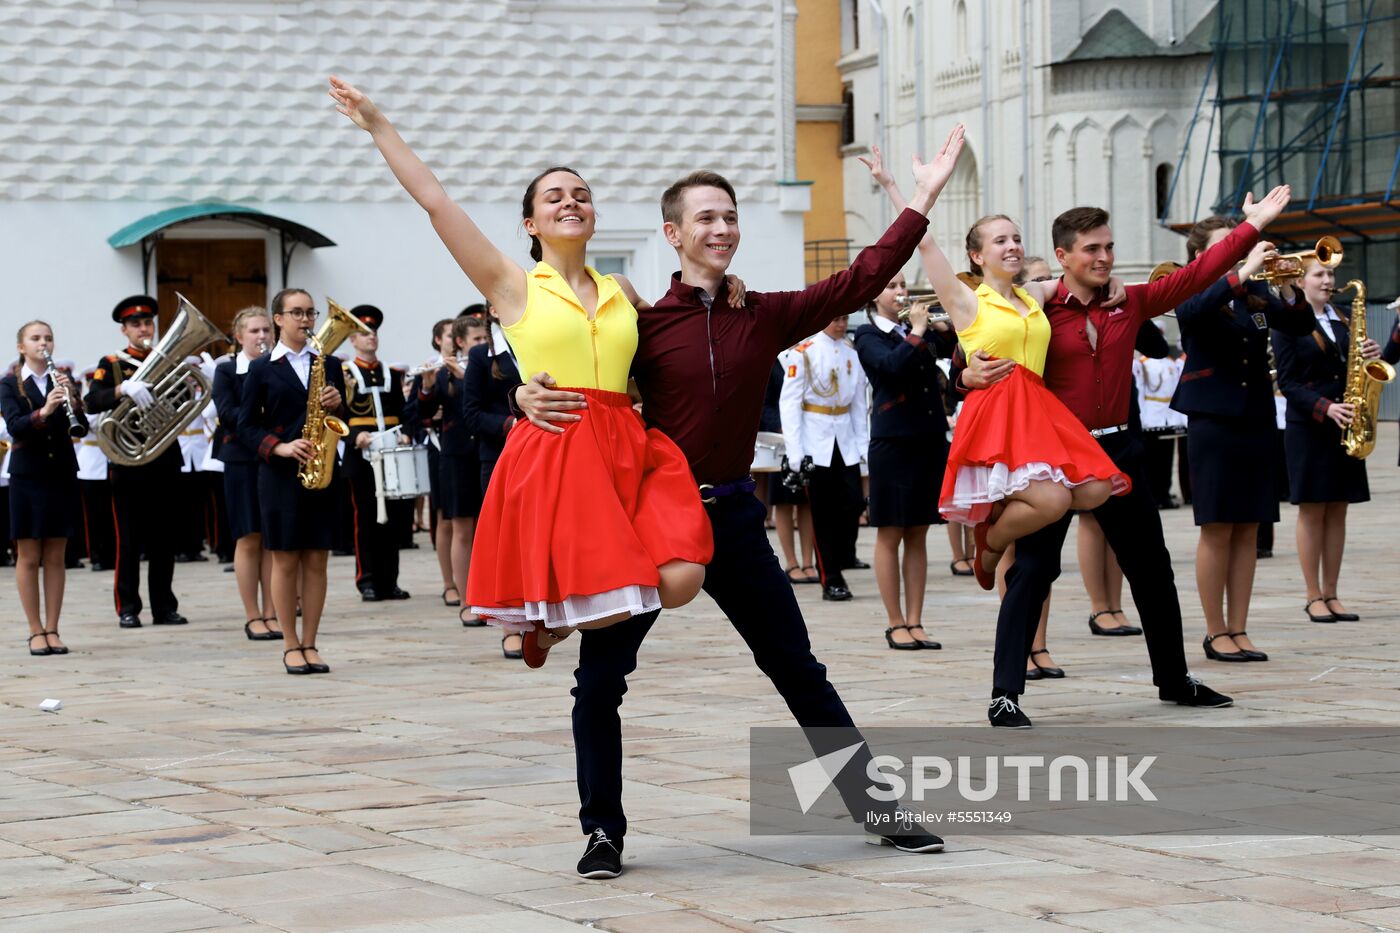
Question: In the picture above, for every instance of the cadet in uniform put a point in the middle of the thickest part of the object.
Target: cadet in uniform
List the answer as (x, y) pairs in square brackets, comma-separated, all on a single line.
[(826, 430), (374, 395), (140, 494), (1228, 394), (98, 532)]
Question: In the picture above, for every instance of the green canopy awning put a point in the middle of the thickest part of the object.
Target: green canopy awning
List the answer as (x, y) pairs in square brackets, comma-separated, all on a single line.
[(148, 229)]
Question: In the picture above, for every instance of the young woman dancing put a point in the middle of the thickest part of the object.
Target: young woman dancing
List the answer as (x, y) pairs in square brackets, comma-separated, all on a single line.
[(44, 494), (603, 521), (1019, 459)]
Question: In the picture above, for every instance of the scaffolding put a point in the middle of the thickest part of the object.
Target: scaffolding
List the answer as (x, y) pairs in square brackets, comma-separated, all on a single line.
[(1307, 93)]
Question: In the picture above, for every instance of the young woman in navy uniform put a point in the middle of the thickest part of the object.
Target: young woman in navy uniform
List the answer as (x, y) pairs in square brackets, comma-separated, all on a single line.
[(1228, 394), (491, 372), (252, 564), (425, 431), (140, 494), (908, 451), (44, 496), (1322, 479), (297, 523)]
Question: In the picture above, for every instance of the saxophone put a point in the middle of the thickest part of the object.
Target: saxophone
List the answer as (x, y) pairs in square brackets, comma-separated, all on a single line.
[(1365, 380), (322, 430)]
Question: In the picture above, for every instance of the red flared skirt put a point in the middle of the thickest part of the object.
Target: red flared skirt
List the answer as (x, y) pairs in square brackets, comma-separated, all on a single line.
[(1010, 435), (574, 526)]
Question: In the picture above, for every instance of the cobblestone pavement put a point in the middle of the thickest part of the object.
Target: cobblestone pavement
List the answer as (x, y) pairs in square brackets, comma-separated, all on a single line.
[(427, 784)]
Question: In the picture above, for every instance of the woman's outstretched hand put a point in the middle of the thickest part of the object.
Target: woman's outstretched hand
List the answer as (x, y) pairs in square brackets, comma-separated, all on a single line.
[(876, 164), (352, 102), (930, 177)]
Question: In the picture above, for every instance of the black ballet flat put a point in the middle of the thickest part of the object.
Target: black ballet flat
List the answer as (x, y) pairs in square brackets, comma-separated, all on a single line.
[(62, 649), (1250, 654), (1098, 629), (295, 668), (1213, 655), (926, 643), (1329, 617), (513, 654), (451, 602), (953, 568), (269, 635), (313, 666), (1339, 616), (1035, 673), (900, 646), (1054, 673), (47, 649), (474, 622)]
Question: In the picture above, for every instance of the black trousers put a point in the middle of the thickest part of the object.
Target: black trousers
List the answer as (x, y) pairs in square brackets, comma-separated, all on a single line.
[(99, 531), (1158, 452), (1133, 528), (749, 585), (140, 507), (216, 514), (376, 545), (837, 501)]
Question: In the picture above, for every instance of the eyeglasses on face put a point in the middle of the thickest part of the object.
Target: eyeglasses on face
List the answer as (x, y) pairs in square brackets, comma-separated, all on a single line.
[(300, 314)]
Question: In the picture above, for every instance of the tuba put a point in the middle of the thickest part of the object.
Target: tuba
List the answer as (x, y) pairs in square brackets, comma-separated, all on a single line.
[(1365, 380), (131, 436), (322, 430), (1290, 266)]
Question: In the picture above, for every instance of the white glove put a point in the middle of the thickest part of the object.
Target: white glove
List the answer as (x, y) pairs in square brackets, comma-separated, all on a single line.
[(138, 392)]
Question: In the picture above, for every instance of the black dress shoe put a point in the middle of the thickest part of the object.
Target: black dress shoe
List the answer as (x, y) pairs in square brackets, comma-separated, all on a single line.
[(1263, 553), (1004, 713), (836, 593), (1252, 655), (1213, 655), (313, 666), (899, 645), (170, 618), (129, 620), (397, 593), (98, 567), (370, 595), (926, 643), (1326, 617), (513, 654), (1035, 673), (602, 858), (1193, 693), (858, 565), (266, 635), (302, 668), (1339, 616), (1054, 673), (473, 622), (1120, 630), (41, 651), (229, 569), (916, 840)]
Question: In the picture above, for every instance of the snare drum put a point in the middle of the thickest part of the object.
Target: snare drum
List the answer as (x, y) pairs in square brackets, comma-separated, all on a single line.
[(768, 450), (1165, 432), (404, 470)]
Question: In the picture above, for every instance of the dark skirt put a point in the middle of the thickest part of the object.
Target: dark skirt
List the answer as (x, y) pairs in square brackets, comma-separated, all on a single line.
[(1232, 469), (906, 474), (459, 486), (1319, 469), (241, 499), (292, 517), (433, 494), (44, 506)]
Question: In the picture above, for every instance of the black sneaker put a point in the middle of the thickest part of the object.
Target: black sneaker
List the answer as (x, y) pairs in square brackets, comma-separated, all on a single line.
[(602, 858), (917, 841), (1193, 693), (1004, 712)]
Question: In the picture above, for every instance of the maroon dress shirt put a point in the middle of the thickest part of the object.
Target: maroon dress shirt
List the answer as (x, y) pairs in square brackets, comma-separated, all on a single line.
[(703, 369), (1094, 381)]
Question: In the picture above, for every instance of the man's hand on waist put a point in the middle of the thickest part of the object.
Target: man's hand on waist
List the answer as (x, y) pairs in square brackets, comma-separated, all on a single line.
[(543, 405), (983, 371)]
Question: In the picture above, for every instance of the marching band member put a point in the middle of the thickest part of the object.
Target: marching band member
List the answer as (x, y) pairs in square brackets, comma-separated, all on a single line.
[(211, 469), (98, 531), (252, 564), (1227, 393), (908, 451), (375, 399), (427, 428), (1322, 479), (826, 430), (459, 469), (297, 523), (189, 493), (44, 497), (491, 372), (792, 512), (138, 492), (1157, 380)]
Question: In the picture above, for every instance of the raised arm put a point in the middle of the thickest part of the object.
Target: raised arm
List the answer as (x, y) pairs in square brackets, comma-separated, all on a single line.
[(500, 279)]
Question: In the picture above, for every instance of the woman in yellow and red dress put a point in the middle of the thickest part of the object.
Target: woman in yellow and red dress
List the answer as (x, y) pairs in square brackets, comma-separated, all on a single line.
[(602, 521)]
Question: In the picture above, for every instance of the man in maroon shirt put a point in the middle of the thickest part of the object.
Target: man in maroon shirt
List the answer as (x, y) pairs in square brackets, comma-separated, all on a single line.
[(1089, 366), (702, 368)]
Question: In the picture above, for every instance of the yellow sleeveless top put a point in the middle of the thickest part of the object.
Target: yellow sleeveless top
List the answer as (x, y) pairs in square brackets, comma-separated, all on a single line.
[(556, 336), (1003, 333)]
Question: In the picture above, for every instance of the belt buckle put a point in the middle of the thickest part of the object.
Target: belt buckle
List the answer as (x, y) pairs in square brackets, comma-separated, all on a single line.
[(711, 500)]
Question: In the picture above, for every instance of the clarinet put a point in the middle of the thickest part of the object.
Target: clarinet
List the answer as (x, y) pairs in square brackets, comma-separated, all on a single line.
[(77, 427)]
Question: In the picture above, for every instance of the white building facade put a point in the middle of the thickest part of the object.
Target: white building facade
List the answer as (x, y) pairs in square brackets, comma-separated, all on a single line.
[(1066, 103), (119, 109)]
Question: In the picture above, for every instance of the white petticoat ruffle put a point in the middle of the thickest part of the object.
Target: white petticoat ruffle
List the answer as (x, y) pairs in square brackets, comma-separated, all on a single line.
[(573, 610), (977, 486)]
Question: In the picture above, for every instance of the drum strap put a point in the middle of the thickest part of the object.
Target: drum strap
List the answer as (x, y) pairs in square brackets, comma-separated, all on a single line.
[(372, 391)]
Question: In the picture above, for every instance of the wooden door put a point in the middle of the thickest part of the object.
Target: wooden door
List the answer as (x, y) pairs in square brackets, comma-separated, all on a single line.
[(220, 277)]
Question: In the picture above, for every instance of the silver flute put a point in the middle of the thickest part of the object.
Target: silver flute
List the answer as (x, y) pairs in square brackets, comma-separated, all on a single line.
[(77, 427)]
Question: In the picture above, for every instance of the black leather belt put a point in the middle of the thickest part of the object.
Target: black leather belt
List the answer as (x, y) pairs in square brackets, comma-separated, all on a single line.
[(710, 493)]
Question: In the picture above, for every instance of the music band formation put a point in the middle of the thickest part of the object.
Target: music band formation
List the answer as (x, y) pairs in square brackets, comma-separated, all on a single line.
[(592, 459)]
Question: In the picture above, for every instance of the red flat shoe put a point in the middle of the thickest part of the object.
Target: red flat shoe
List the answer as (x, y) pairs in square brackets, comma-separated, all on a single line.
[(986, 580), (535, 656)]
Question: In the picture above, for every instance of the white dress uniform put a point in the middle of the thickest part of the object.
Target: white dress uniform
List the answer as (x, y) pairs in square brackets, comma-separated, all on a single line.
[(1162, 425), (825, 410)]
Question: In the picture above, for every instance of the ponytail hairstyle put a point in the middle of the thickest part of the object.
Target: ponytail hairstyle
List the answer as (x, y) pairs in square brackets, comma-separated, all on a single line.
[(973, 243), (438, 328), (491, 349), (527, 207)]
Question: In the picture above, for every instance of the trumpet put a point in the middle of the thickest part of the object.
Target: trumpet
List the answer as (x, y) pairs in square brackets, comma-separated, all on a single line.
[(1287, 267), (925, 300)]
